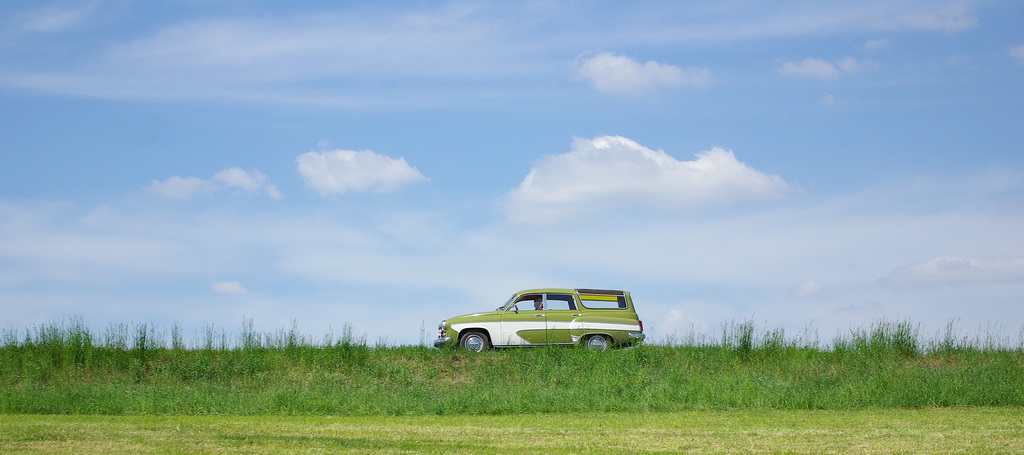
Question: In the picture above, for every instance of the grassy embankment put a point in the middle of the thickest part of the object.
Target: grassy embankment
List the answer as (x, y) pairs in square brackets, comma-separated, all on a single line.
[(132, 370)]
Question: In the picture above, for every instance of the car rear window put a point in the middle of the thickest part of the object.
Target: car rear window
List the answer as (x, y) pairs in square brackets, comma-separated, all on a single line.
[(603, 301)]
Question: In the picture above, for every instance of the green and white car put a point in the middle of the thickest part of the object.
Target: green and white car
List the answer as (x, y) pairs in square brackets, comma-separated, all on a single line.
[(595, 318)]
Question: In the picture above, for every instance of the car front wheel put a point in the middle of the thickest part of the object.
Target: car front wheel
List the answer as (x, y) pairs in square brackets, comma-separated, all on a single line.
[(475, 342), (598, 343)]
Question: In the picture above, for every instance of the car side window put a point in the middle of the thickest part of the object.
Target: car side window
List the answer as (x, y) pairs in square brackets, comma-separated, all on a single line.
[(530, 302), (560, 302)]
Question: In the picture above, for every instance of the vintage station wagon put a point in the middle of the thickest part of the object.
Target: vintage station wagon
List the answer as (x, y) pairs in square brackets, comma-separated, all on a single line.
[(595, 318)]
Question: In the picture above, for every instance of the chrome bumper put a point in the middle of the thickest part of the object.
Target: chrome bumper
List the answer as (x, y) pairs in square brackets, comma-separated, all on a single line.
[(443, 342)]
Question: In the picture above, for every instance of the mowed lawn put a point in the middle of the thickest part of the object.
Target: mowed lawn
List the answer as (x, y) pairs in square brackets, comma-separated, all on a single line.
[(934, 430)]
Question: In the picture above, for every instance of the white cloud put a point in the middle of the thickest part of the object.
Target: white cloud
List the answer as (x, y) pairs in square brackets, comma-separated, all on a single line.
[(608, 72), (1017, 52), (237, 178), (247, 181), (952, 17), (273, 192), (342, 171), (613, 172), (228, 287), (959, 270), (828, 99), (814, 19), (234, 178), (807, 289), (814, 67), (876, 44), (178, 187), (55, 19), (676, 324), (849, 65), (820, 68)]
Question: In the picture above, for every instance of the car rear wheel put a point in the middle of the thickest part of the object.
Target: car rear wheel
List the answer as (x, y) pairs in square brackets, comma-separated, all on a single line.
[(475, 342), (598, 343)]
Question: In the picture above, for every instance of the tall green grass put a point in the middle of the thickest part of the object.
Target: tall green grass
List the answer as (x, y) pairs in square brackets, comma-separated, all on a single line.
[(64, 368)]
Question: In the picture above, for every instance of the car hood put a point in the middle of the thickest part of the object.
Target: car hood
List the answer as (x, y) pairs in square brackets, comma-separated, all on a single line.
[(474, 315)]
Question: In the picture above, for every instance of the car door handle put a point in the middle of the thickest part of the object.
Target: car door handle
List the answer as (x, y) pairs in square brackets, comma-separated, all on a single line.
[(539, 315), (577, 314)]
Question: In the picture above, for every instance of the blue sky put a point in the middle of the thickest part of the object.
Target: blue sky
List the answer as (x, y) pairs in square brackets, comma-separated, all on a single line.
[(387, 165)]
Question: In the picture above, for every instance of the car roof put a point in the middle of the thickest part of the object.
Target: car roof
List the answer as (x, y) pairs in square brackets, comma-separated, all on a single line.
[(571, 291)]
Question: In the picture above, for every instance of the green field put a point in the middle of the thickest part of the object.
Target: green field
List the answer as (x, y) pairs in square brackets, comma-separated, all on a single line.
[(934, 430)]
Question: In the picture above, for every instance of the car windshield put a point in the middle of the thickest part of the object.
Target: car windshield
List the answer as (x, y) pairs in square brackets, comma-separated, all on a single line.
[(507, 303)]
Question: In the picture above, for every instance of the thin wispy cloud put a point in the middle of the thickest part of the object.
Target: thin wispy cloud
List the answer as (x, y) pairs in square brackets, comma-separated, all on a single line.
[(958, 270), (807, 289), (55, 18), (228, 287), (814, 67), (281, 59), (232, 179), (820, 68), (874, 45), (1017, 52), (247, 182), (179, 187), (300, 58), (949, 17)]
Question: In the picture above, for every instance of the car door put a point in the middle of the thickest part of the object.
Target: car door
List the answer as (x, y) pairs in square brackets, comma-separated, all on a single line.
[(559, 313), (524, 322)]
